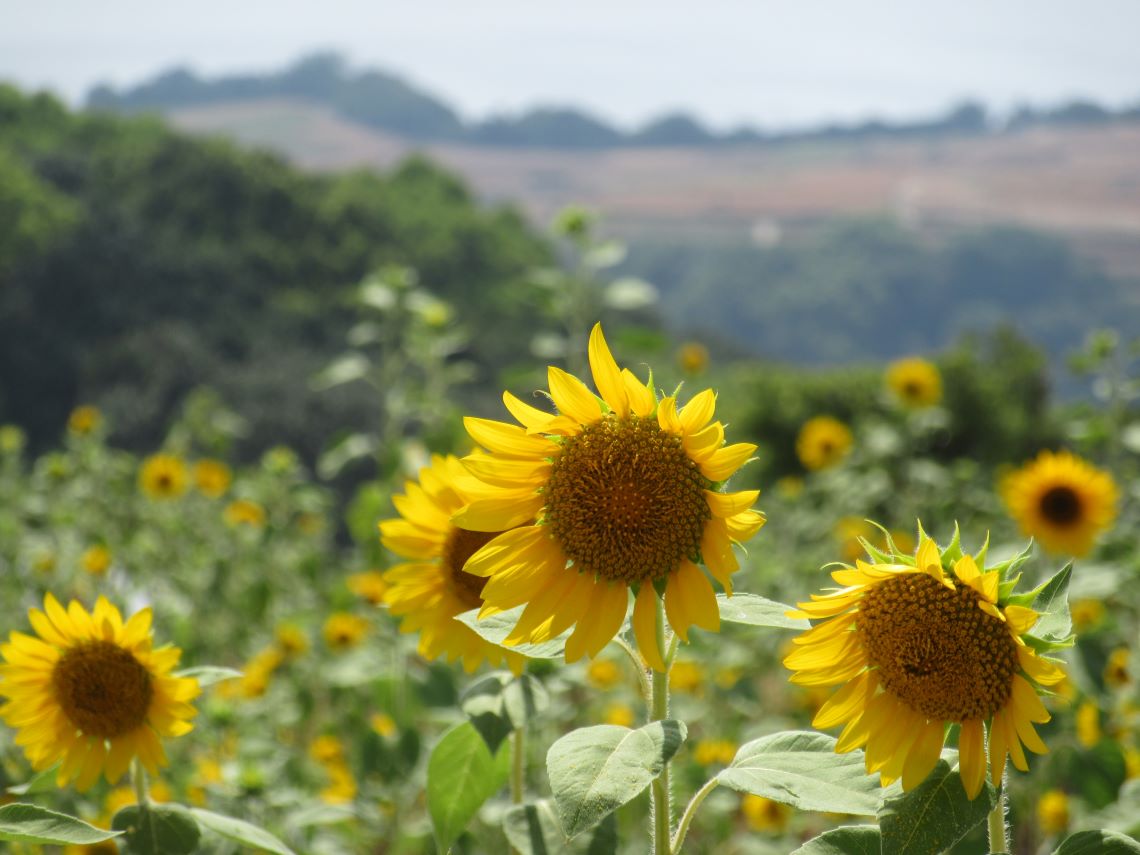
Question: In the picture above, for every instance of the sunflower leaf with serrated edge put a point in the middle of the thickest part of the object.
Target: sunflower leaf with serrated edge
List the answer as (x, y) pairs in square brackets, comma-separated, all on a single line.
[(934, 815)]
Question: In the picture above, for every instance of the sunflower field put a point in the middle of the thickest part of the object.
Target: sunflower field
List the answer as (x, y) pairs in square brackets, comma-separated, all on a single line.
[(605, 619)]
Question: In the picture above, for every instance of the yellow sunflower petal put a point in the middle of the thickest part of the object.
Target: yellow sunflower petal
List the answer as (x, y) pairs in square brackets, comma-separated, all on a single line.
[(607, 375), (972, 756), (1021, 619), (923, 755), (511, 509), (532, 418), (725, 505), (696, 414), (667, 416), (641, 400), (508, 440), (645, 627), (845, 703), (572, 397), (724, 462)]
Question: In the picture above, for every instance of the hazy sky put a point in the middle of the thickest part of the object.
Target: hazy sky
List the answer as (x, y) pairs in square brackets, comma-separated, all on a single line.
[(774, 64)]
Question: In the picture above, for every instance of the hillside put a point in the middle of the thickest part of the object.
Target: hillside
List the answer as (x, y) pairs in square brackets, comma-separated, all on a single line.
[(1081, 183)]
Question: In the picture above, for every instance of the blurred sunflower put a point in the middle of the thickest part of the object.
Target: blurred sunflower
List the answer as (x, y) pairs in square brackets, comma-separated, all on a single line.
[(90, 691), (244, 512), (84, 420), (96, 559), (1061, 500), (433, 587), (917, 648), (823, 442), (163, 476), (693, 357), (212, 478), (765, 814), (915, 382), (369, 586), (343, 630), (614, 495)]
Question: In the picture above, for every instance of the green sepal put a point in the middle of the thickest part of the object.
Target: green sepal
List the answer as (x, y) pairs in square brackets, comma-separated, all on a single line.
[(953, 550), (1008, 567)]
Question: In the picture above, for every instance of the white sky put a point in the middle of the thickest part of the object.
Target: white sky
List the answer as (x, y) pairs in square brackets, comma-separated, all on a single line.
[(773, 64)]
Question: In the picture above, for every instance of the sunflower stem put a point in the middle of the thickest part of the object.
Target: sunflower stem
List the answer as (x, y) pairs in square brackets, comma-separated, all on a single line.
[(138, 778), (518, 765), (659, 709), (690, 812), (996, 825)]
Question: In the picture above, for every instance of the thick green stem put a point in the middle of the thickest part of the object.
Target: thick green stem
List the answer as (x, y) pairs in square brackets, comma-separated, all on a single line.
[(659, 709), (687, 816), (996, 825)]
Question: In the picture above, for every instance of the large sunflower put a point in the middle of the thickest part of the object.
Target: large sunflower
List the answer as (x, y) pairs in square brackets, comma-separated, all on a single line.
[(612, 495), (431, 589), (89, 690), (1062, 501), (917, 648)]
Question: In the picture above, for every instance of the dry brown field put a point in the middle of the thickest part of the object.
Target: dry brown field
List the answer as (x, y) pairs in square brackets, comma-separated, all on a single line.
[(1082, 183)]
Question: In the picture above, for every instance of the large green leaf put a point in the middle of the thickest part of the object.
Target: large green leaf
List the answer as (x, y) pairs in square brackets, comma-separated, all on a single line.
[(461, 775), (500, 703), (241, 832), (845, 840), (801, 769), (22, 823), (1123, 814), (495, 628), (934, 815), (753, 610), (158, 830), (1098, 843), (534, 829), (595, 770)]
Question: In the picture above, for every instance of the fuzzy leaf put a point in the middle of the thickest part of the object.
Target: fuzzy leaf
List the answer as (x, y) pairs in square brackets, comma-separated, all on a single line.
[(495, 628), (845, 840), (158, 830), (1098, 843), (595, 770), (1051, 601), (753, 610), (934, 815), (22, 823), (500, 703), (240, 832)]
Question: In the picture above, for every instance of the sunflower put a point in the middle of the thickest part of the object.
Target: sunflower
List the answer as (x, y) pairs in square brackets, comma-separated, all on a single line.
[(244, 512), (917, 648), (84, 420), (1061, 500), (915, 382), (96, 559), (163, 476), (90, 691), (614, 495), (432, 588), (823, 442)]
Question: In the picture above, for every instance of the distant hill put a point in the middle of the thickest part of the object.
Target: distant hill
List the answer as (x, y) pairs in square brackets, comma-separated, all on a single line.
[(384, 101)]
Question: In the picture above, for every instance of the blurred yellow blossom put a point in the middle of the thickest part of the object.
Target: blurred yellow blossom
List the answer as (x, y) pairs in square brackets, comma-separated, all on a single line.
[(1053, 811), (687, 676), (342, 784), (618, 714), (163, 476), (822, 442), (291, 640), (342, 630), (383, 724), (693, 357), (96, 559), (84, 420), (790, 486), (714, 751), (1116, 673), (764, 814), (369, 586), (245, 512), (915, 382), (212, 478), (1088, 724), (603, 673), (1086, 614), (12, 439), (326, 748), (728, 677)]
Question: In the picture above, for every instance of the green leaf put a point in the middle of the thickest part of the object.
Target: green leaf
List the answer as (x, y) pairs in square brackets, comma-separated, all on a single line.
[(461, 775), (845, 840), (501, 703), (533, 829), (934, 815), (165, 829), (801, 769), (1098, 843), (495, 628), (1051, 601), (343, 451), (595, 770), (1123, 814), (208, 675), (41, 783), (22, 823), (753, 610), (240, 831), (346, 369)]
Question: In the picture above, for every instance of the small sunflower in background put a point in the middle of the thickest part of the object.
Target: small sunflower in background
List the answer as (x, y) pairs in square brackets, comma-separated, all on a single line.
[(344, 630), (244, 512), (1053, 811), (823, 441), (1061, 501), (90, 692), (430, 589), (614, 495), (212, 478), (915, 382), (163, 476), (96, 559), (84, 420), (369, 586), (917, 646), (693, 357), (765, 814)]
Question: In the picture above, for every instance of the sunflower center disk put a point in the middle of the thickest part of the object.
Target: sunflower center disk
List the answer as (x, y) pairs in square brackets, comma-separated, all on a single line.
[(460, 546), (625, 502), (1061, 506), (102, 689), (935, 650)]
